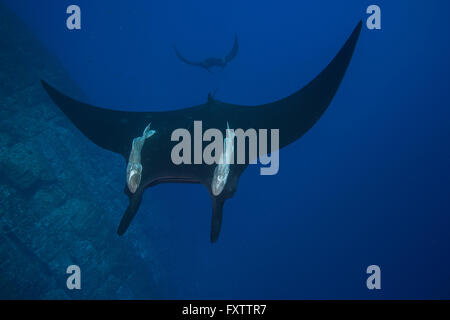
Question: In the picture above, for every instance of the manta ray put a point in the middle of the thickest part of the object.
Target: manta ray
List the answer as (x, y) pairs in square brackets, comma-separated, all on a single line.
[(144, 138), (209, 63)]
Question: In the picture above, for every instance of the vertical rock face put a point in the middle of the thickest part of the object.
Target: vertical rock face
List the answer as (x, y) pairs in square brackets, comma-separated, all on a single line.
[(61, 197)]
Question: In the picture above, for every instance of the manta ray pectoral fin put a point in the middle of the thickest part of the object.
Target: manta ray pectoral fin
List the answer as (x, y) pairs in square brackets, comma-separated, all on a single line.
[(133, 207), (183, 59), (216, 221), (296, 114), (234, 51), (109, 129)]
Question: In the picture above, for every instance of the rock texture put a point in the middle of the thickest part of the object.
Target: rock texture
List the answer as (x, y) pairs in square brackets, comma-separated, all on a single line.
[(61, 197)]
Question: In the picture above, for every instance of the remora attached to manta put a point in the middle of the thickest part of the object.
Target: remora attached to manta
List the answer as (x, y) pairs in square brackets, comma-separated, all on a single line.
[(115, 131)]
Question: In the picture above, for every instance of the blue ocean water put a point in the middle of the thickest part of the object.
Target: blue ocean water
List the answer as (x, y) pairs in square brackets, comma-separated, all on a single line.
[(369, 184)]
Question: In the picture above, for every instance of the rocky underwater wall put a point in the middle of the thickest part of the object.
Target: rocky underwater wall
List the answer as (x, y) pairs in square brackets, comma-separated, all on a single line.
[(61, 197)]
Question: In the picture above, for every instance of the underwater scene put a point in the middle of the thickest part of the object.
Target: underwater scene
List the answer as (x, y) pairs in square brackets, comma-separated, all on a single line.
[(121, 174)]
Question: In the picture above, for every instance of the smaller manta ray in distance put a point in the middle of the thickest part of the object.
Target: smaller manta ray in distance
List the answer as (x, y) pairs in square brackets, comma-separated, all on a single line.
[(144, 138), (209, 63)]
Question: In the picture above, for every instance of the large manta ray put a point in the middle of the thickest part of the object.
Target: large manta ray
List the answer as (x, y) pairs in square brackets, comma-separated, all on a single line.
[(209, 63), (117, 131)]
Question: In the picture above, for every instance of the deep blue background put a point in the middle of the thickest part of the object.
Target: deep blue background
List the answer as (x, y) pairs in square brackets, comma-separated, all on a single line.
[(369, 184)]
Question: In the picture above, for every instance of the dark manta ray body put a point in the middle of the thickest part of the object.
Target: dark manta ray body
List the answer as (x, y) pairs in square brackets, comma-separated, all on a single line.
[(209, 63), (116, 130)]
